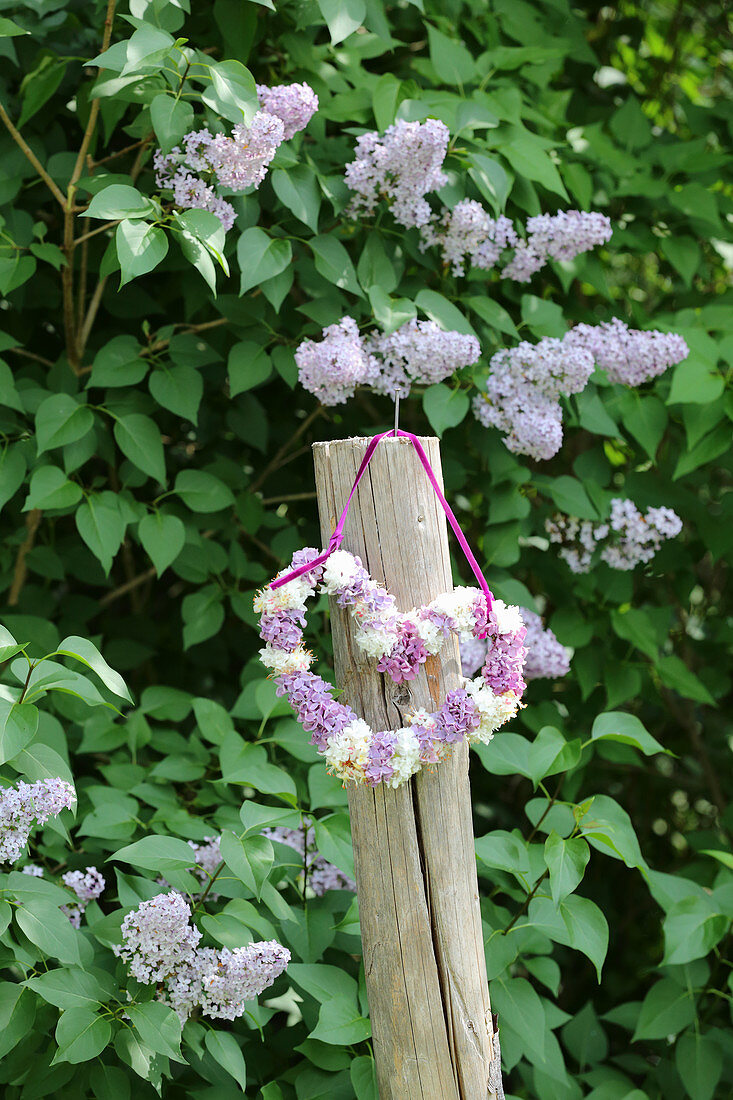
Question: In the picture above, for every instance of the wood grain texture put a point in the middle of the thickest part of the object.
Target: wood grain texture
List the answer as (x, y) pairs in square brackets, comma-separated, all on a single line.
[(413, 847)]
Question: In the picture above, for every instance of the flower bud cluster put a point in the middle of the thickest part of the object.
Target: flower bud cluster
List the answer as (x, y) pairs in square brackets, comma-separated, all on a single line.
[(523, 391), (417, 352), (203, 163), (624, 540), (27, 805), (161, 947), (318, 874)]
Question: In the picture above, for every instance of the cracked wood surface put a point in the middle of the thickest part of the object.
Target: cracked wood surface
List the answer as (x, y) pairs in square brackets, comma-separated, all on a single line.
[(413, 847)]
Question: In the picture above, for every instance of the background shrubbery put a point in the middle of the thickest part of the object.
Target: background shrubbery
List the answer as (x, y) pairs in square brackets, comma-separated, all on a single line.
[(155, 470)]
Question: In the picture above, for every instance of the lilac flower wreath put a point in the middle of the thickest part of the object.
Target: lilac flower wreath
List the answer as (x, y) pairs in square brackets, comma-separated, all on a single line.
[(400, 643)]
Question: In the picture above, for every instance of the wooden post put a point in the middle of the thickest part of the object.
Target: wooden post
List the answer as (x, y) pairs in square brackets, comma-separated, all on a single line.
[(413, 847)]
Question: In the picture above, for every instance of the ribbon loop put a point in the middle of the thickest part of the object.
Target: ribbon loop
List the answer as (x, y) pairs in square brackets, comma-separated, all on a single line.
[(338, 533)]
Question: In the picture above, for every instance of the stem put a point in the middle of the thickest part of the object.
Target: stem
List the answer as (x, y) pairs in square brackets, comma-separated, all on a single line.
[(285, 499), (525, 904), (93, 232), (210, 883), (94, 110), (25, 147), (318, 411), (128, 586), (21, 570), (32, 355)]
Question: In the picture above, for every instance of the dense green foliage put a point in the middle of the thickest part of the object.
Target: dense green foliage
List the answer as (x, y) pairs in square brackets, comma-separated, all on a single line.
[(155, 470)]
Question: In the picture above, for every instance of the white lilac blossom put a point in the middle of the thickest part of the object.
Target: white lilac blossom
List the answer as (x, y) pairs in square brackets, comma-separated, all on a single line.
[(88, 886), (522, 392), (293, 104), (204, 163), (26, 806), (318, 874), (622, 542), (401, 166), (161, 947), (421, 352), (469, 237), (332, 368), (627, 355), (401, 644), (561, 236)]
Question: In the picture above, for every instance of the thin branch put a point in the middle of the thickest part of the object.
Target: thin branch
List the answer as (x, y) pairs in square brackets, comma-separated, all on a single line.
[(288, 498), (21, 569), (186, 328), (91, 314), (525, 904), (81, 292), (120, 152), (128, 586), (93, 232), (25, 147), (273, 465), (32, 355), (94, 109), (261, 545)]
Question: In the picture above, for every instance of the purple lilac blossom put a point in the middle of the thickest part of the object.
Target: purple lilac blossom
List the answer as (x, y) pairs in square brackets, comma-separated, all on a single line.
[(25, 806), (546, 659), (158, 937), (403, 165), (504, 663), (468, 236), (523, 388), (283, 629), (322, 875), (625, 540), (629, 356), (333, 368), (561, 236), (420, 352), (293, 104), (404, 659), (315, 708), (457, 716), (228, 979)]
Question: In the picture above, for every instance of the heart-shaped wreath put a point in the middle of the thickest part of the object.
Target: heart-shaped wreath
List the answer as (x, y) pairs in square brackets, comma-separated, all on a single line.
[(400, 643)]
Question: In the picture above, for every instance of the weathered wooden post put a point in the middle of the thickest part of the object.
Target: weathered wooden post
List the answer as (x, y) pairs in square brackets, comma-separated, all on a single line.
[(413, 847)]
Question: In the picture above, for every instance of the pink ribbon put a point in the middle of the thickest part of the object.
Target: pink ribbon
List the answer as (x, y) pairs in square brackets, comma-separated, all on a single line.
[(337, 537)]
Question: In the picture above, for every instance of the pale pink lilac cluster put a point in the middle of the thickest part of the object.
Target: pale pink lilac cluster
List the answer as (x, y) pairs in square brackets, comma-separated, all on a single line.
[(318, 874), (293, 104), (400, 643), (405, 164), (419, 352), (401, 166), (547, 658), (523, 391), (623, 541), (629, 356), (24, 807), (88, 886), (203, 163), (160, 946)]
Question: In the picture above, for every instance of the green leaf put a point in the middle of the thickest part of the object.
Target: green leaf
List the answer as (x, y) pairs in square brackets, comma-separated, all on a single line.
[(49, 929), (83, 650), (73, 988), (81, 1035), (504, 851), (333, 840), (608, 828), (334, 264), (451, 60), (171, 119), (494, 314), (311, 932), (39, 85), (385, 99), (119, 200), (636, 626), (50, 488), (299, 192), (645, 418), (225, 1050), (8, 645), (203, 614), (61, 420), (443, 312), (12, 473), (667, 1008), (566, 861), (246, 763), (627, 730), (342, 17), (158, 1027), (179, 389), (545, 318), (102, 528), (18, 727), (530, 160), (203, 492), (139, 440), (675, 674), (492, 180), (261, 257), (692, 927), (695, 381), (363, 1073), (249, 365), (232, 92), (714, 445), (140, 248), (699, 1063), (163, 537), (684, 254), (156, 853), (520, 1008), (570, 496), (576, 922), (251, 860), (118, 363), (445, 407), (9, 29)]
